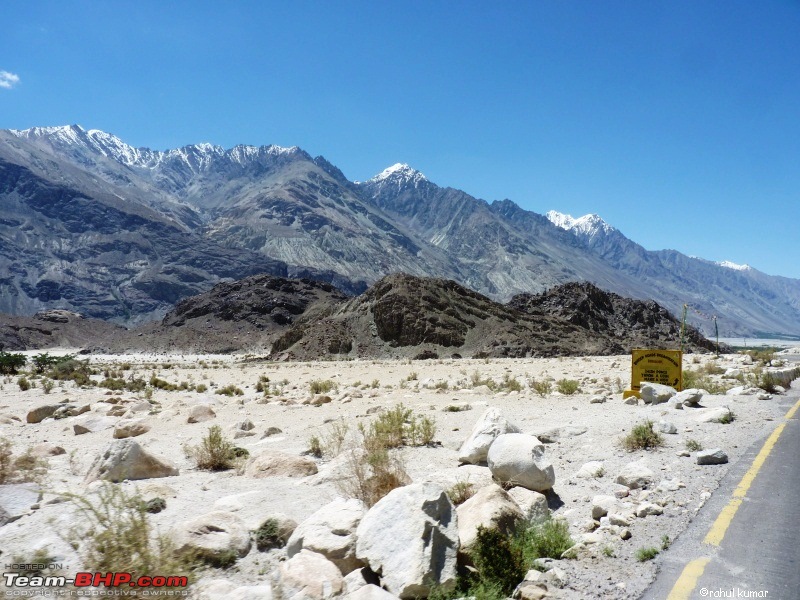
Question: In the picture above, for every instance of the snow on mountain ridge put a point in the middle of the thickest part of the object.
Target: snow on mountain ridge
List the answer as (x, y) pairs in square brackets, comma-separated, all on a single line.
[(196, 156), (587, 225), (399, 173), (731, 265)]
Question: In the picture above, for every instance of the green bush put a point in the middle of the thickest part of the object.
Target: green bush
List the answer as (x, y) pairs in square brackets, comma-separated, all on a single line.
[(161, 384), (215, 452), (120, 537), (43, 362), (460, 492), (642, 437), (567, 386), (645, 554), (10, 364), (24, 384), (693, 445), (267, 536), (230, 390), (500, 562), (321, 387), (542, 387), (72, 370)]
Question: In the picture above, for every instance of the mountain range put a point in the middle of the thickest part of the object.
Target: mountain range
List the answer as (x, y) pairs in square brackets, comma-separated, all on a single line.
[(90, 224)]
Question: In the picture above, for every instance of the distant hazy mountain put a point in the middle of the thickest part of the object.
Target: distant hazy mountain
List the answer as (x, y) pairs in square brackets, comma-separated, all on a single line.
[(91, 224)]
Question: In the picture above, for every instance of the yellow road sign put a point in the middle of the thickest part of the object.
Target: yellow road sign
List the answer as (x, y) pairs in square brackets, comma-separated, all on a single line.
[(655, 366)]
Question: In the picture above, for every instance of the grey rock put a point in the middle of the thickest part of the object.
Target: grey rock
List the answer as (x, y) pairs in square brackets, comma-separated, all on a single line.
[(713, 456)]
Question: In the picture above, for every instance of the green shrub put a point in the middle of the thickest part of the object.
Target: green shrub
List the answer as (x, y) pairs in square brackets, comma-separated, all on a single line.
[(267, 536), (642, 437), (499, 561), (645, 554), (10, 364), (120, 537), (24, 384), (43, 362), (200, 388), (113, 384), (230, 390), (693, 445), (567, 386), (72, 370), (315, 446), (47, 385), (460, 492), (215, 452), (542, 387), (549, 539), (155, 505), (162, 384), (321, 386)]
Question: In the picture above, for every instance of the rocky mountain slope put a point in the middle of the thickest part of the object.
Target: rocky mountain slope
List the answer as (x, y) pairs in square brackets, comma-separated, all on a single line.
[(402, 316), (94, 225)]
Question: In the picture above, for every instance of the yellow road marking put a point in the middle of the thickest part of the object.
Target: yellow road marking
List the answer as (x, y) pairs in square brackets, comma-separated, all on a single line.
[(688, 579), (694, 570)]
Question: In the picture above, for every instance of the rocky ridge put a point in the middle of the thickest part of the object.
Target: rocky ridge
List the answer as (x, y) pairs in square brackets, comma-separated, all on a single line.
[(93, 225)]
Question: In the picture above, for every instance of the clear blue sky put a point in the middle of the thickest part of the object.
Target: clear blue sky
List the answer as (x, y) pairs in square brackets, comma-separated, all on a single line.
[(677, 122)]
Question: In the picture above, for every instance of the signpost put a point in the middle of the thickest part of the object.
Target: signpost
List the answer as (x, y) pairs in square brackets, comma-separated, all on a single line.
[(655, 366)]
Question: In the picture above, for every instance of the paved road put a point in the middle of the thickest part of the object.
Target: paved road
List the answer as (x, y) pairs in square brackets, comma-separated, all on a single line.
[(759, 553)]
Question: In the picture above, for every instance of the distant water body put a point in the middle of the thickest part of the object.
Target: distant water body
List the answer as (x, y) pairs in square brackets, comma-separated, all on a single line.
[(759, 342)]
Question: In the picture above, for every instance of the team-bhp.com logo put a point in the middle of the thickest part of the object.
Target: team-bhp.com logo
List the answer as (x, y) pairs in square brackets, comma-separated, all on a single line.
[(155, 585)]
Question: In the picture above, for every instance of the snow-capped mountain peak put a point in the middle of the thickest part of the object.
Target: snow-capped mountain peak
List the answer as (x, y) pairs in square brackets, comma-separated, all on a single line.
[(587, 225), (731, 265), (399, 173)]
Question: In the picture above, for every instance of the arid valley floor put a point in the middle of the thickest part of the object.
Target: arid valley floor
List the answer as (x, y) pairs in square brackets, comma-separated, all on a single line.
[(581, 427)]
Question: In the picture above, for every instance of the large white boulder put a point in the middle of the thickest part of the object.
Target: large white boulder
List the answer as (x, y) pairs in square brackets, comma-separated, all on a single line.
[(717, 414), (410, 539), (690, 397), (212, 535), (126, 459), (491, 507), (636, 475), (655, 393), (490, 424), (331, 531), (309, 576), (272, 463), (532, 504), (519, 459)]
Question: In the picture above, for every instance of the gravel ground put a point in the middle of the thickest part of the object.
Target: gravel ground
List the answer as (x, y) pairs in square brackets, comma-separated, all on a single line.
[(608, 569)]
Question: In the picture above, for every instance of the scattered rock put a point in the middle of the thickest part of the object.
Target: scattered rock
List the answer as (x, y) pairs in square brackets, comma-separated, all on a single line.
[(200, 413), (410, 537), (602, 505), (272, 463), (591, 470), (131, 428), (519, 458), (46, 449), (40, 413), (718, 414), (551, 436), (713, 456), (648, 508), (490, 507), (532, 504), (212, 536), (690, 397), (666, 427), (126, 459), (635, 475), (331, 531), (655, 393), (597, 400), (309, 576), (490, 424)]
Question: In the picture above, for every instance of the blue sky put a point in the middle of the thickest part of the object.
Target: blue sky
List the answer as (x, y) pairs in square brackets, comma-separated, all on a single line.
[(677, 122)]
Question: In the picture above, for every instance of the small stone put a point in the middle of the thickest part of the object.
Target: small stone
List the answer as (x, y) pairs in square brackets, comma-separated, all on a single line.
[(200, 413), (714, 456)]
